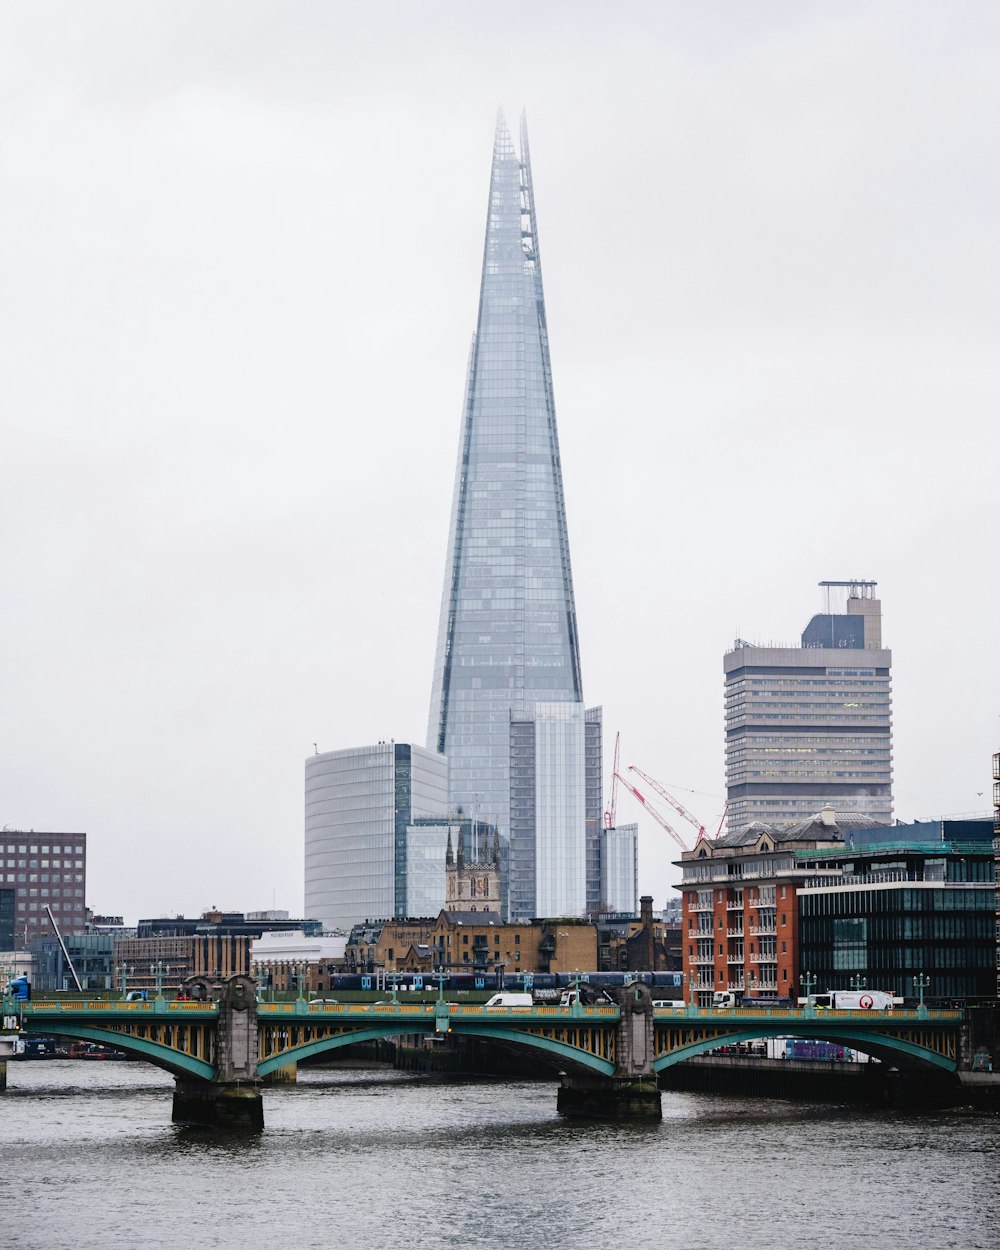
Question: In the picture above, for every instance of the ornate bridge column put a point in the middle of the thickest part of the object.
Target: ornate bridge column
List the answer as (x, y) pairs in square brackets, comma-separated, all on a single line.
[(232, 1099), (632, 1093)]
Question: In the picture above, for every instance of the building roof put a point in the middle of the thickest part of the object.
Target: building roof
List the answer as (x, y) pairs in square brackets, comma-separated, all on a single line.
[(471, 917)]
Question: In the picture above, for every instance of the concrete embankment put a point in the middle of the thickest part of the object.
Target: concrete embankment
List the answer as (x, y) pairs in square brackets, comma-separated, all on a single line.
[(871, 1084)]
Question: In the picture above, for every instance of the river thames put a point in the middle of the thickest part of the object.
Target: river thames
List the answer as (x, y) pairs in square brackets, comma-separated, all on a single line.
[(374, 1158)]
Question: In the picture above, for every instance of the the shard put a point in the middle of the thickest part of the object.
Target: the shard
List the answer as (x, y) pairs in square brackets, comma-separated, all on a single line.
[(508, 635)]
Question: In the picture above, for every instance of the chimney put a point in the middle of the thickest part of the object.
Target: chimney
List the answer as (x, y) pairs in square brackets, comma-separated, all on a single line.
[(828, 816)]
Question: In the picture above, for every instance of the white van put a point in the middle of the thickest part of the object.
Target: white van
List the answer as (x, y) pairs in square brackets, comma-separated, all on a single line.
[(508, 998)]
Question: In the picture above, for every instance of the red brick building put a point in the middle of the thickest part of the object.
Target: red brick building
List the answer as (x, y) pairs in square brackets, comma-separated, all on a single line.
[(740, 910)]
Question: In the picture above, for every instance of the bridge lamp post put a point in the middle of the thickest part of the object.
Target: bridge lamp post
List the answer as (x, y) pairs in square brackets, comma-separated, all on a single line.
[(692, 1005), (395, 982), (159, 969), (303, 992), (809, 981), (859, 982), (576, 1007), (920, 983), (123, 970)]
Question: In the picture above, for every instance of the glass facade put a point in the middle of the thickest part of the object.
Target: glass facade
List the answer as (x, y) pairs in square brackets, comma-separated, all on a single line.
[(594, 747), (620, 869), (560, 810), (555, 812), (508, 637), (426, 886), (898, 911), (359, 804)]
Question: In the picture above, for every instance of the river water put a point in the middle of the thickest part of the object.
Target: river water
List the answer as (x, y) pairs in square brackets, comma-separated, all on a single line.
[(368, 1159)]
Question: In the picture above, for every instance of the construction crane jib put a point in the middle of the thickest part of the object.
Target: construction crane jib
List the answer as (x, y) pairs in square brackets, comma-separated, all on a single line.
[(657, 815), (678, 807)]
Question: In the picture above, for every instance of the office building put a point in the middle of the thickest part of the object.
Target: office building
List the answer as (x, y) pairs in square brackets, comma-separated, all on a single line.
[(620, 869), (39, 870), (903, 902), (507, 643), (811, 725), (360, 803)]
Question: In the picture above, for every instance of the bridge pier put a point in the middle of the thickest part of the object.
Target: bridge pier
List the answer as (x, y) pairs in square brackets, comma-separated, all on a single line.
[(214, 1104), (632, 1093), (232, 1099), (288, 1075)]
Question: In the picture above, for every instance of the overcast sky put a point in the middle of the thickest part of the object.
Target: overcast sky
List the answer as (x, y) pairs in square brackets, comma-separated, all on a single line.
[(240, 264)]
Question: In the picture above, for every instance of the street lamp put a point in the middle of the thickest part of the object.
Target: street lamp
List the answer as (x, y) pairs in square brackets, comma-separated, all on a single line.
[(123, 970), (159, 969), (809, 981), (859, 982), (920, 983)]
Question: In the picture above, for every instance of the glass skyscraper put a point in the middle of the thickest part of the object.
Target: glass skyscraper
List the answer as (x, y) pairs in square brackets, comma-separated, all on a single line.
[(508, 636)]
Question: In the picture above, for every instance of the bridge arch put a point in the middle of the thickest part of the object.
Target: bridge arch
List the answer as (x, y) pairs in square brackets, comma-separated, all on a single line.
[(882, 1044), (549, 1048), (171, 1060)]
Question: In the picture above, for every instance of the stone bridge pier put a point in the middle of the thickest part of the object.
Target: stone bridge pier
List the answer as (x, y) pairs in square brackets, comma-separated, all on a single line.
[(632, 1093), (232, 1099)]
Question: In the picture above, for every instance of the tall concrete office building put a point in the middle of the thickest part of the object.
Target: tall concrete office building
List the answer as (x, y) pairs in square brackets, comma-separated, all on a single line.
[(811, 725), (361, 846), (507, 642)]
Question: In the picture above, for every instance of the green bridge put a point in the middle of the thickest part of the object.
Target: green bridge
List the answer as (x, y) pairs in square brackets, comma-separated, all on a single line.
[(220, 1048)]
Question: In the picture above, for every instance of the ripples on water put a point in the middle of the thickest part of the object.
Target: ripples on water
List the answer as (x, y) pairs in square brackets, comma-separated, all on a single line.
[(373, 1159)]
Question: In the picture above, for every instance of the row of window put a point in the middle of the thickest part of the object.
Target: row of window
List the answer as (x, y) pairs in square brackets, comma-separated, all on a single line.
[(22, 877), (24, 848)]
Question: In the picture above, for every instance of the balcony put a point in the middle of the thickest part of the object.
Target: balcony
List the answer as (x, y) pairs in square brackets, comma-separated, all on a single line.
[(734, 905), (736, 933), (735, 959), (703, 959), (764, 930)]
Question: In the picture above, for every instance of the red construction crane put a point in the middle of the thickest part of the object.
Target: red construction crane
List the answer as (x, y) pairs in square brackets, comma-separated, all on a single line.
[(658, 816), (677, 805), (609, 814)]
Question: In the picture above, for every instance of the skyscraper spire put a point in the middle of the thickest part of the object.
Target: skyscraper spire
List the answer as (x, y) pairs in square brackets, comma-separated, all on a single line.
[(508, 635)]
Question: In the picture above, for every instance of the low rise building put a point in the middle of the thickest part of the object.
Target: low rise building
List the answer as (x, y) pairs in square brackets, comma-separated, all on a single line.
[(216, 945), (643, 943), (295, 961), (473, 941), (739, 911), (900, 903)]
